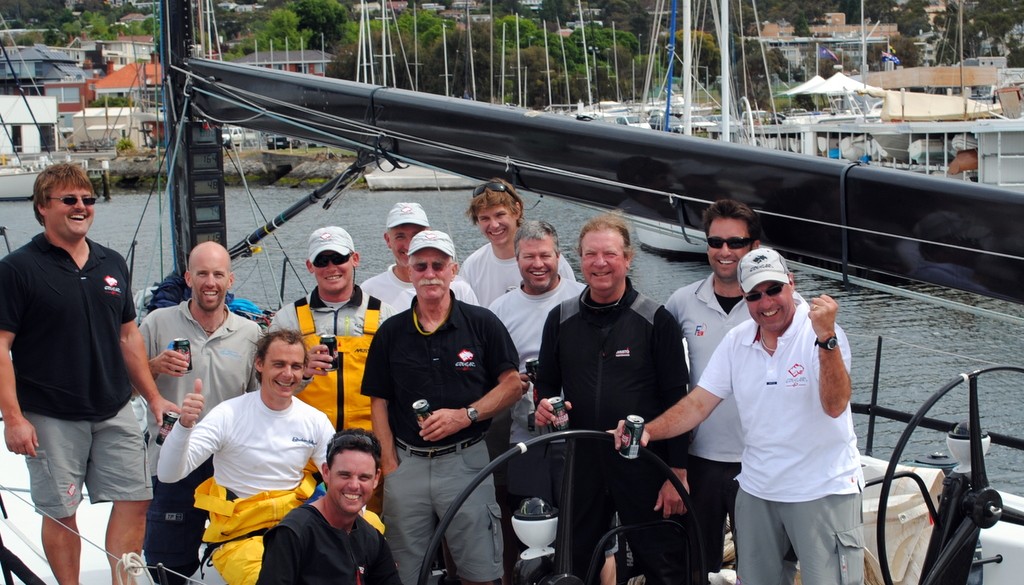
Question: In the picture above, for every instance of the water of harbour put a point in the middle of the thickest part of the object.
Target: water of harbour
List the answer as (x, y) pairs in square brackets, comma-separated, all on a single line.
[(924, 345)]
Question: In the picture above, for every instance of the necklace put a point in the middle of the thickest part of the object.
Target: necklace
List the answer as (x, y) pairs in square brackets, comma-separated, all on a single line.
[(769, 349), (416, 322), (216, 327)]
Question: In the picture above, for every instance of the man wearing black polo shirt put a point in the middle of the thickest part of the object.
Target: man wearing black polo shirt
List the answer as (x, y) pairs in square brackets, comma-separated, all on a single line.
[(461, 360), (67, 407)]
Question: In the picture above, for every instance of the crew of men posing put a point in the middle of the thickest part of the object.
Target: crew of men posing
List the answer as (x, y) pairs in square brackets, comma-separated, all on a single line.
[(755, 425)]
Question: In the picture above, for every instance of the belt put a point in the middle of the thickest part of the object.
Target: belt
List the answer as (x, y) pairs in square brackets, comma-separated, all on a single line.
[(437, 451)]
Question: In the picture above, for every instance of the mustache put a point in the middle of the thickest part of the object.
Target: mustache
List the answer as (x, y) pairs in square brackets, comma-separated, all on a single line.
[(431, 281)]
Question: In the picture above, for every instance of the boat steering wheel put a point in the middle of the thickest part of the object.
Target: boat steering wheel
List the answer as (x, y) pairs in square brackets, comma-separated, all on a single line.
[(980, 505), (694, 544)]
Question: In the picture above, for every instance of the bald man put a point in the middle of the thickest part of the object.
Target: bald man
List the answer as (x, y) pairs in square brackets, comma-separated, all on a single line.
[(222, 348)]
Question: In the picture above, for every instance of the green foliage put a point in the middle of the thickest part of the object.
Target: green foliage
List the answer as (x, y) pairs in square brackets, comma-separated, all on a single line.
[(112, 102), (321, 17), (125, 145)]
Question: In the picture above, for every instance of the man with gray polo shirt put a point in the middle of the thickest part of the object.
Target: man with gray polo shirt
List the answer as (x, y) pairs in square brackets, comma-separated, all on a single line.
[(788, 371), (223, 345), (459, 358), (394, 285)]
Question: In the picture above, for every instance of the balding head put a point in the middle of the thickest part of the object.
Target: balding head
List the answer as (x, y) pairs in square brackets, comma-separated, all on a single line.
[(209, 276)]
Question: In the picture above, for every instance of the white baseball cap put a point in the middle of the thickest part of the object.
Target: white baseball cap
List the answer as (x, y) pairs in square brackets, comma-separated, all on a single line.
[(331, 238), (403, 213), (432, 239), (762, 265)]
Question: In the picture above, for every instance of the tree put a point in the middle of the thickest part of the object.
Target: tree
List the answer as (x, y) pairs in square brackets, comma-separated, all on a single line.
[(321, 17), (281, 30)]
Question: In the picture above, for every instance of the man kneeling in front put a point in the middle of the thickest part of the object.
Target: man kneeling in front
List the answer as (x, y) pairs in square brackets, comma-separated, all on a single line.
[(260, 443)]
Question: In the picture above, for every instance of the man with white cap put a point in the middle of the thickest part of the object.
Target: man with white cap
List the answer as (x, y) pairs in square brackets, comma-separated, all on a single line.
[(459, 359), (394, 285), (338, 307), (801, 481)]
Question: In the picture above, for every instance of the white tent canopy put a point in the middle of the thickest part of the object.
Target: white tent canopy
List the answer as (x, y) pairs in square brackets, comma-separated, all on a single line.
[(836, 84), (800, 89)]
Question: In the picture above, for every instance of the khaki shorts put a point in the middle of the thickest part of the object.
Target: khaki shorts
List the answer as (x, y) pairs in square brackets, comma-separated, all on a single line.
[(108, 456)]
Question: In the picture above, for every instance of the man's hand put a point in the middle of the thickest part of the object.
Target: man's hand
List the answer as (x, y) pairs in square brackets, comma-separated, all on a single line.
[(545, 414), (524, 379), (388, 460), (192, 406), (320, 361), (169, 362), (823, 311), (645, 437), (161, 405), (20, 436), (669, 500), (444, 423)]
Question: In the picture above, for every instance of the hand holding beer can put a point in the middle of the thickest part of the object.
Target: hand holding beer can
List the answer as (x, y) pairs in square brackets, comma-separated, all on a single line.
[(332, 349), (422, 410), (166, 425), (184, 347), (629, 440), (561, 422)]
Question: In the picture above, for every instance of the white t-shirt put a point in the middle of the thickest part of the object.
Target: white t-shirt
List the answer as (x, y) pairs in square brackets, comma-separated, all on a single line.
[(492, 277), (793, 452), (524, 316), (389, 289), (254, 448)]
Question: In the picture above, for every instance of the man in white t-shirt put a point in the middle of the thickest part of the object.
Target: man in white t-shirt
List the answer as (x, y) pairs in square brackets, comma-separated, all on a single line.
[(260, 442), (394, 285), (497, 210), (788, 371), (536, 472)]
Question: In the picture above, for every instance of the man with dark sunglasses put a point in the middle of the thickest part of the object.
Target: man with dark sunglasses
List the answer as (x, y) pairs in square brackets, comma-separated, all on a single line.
[(788, 371), (329, 541), (461, 360), (68, 411), (337, 306), (706, 310)]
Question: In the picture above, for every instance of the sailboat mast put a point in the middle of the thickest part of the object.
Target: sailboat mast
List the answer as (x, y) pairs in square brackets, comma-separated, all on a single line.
[(687, 67), (519, 66), (565, 63), (502, 63), (666, 127), (726, 85), (444, 43), (586, 62), (547, 60)]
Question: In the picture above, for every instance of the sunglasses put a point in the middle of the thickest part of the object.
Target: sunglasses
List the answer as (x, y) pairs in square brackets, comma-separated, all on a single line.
[(771, 291), (437, 265), (71, 200), (489, 187), (733, 243), (323, 260), (348, 440)]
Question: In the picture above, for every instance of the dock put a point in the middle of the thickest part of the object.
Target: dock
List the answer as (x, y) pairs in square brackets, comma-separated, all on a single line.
[(414, 178)]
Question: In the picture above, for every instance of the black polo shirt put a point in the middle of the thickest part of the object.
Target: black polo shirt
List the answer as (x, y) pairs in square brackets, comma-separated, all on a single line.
[(452, 368), (67, 325)]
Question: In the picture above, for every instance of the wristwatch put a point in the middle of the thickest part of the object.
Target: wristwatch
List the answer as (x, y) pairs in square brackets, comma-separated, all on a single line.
[(472, 413), (829, 344)]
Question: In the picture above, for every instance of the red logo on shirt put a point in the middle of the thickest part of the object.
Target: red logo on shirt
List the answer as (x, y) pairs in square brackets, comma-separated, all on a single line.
[(111, 286), (110, 280), (465, 360), (795, 370)]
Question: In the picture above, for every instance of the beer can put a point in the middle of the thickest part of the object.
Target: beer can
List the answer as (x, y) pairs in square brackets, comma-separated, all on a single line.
[(629, 441), (184, 347), (332, 348), (532, 367), (165, 426), (561, 422), (422, 410)]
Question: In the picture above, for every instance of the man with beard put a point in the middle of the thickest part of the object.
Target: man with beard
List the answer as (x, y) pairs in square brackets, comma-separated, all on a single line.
[(222, 347)]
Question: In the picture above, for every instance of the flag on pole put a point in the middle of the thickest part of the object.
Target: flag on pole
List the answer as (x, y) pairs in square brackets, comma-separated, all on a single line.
[(825, 53), (890, 57)]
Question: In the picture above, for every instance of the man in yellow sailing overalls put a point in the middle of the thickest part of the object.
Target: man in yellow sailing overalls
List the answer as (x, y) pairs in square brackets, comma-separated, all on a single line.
[(338, 307)]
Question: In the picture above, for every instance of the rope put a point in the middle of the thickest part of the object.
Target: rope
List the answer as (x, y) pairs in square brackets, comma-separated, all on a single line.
[(132, 565)]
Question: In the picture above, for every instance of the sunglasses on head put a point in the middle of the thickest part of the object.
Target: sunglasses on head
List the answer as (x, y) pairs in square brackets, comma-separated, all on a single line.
[(437, 265), (323, 260), (491, 186), (348, 440), (71, 200), (733, 243), (770, 291)]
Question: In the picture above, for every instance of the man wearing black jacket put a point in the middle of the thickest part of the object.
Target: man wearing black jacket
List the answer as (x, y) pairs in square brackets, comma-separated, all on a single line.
[(614, 352)]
